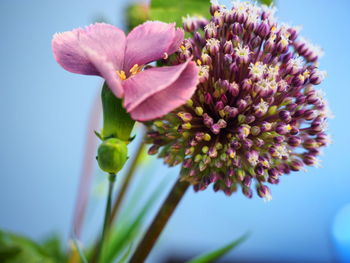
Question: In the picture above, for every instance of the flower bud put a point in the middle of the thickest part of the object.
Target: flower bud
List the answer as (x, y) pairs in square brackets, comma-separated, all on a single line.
[(263, 29), (228, 47), (247, 192), (264, 192), (214, 8), (236, 28), (112, 155), (189, 23), (247, 181), (309, 159), (210, 30), (296, 165), (285, 116), (206, 59)]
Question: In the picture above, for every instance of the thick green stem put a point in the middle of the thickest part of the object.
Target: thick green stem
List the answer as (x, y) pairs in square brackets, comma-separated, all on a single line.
[(117, 123), (107, 218), (127, 179), (159, 222)]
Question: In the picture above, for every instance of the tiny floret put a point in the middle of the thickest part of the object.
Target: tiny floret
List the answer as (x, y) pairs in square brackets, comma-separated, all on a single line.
[(242, 52), (257, 70)]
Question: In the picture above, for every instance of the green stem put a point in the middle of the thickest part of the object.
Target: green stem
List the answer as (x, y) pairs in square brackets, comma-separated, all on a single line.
[(120, 197), (159, 222), (127, 179), (107, 218)]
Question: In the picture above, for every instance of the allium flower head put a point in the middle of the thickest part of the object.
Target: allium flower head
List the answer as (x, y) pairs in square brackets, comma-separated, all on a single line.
[(255, 114), (104, 50)]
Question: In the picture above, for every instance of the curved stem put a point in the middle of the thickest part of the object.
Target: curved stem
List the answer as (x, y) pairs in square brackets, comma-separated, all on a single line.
[(126, 182), (159, 222), (107, 218)]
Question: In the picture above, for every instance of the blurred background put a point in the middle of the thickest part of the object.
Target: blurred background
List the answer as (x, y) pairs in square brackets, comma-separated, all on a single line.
[(45, 112)]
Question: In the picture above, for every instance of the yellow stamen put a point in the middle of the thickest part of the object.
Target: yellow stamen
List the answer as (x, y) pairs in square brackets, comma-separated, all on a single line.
[(199, 111), (199, 62), (135, 69), (217, 14), (266, 163), (182, 47), (186, 126), (246, 131), (189, 103), (159, 124), (222, 113), (121, 74), (306, 74), (284, 42), (186, 134), (207, 137)]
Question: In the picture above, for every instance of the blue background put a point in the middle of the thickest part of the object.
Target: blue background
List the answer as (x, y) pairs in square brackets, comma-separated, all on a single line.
[(44, 112)]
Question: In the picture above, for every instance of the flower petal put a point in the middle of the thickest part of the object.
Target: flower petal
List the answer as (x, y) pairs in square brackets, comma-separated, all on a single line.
[(70, 55), (96, 50), (150, 41), (106, 70), (177, 40), (148, 82), (157, 91)]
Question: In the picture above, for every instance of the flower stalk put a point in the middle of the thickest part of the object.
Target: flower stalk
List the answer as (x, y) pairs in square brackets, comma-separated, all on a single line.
[(159, 222), (107, 217), (126, 182)]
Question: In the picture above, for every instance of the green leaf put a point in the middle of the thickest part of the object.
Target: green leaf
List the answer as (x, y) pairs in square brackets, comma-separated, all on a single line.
[(136, 14), (127, 231), (126, 255), (117, 123), (17, 249), (80, 251), (174, 10), (266, 2), (215, 255), (53, 247)]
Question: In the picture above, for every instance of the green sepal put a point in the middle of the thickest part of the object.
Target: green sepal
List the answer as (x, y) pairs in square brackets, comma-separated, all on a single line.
[(117, 123), (98, 135)]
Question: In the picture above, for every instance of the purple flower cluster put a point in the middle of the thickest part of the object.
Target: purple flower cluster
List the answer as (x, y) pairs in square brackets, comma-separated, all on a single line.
[(255, 114)]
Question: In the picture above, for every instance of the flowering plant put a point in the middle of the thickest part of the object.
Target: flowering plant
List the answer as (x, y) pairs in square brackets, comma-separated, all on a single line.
[(230, 97), (255, 114)]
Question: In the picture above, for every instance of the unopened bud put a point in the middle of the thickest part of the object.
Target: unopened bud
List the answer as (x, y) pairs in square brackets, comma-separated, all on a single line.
[(112, 155)]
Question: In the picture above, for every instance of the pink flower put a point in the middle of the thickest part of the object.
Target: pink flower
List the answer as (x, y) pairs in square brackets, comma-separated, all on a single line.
[(104, 50)]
